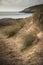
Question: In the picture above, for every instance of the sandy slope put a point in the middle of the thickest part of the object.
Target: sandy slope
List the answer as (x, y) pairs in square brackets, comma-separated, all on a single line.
[(10, 53)]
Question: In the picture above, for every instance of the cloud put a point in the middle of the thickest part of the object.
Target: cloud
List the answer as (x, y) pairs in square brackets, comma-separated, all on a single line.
[(18, 4), (10, 2)]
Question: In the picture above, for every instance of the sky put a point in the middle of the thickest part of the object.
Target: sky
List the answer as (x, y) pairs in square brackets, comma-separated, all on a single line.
[(17, 5)]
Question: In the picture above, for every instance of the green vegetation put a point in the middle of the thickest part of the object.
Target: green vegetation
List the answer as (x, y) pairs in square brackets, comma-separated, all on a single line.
[(28, 40), (11, 30), (11, 27)]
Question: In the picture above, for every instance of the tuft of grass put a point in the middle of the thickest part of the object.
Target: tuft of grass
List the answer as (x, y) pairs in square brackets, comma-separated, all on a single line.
[(28, 40)]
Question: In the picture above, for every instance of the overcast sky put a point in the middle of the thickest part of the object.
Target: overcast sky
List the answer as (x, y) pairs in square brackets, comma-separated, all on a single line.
[(15, 5)]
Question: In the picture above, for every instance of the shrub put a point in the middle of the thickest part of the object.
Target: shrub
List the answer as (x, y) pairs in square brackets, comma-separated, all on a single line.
[(28, 40)]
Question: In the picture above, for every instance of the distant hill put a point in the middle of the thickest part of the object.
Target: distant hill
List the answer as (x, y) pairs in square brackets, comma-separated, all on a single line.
[(7, 21), (10, 21), (32, 8)]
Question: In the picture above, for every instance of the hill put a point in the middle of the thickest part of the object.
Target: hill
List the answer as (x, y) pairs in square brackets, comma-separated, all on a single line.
[(32, 9), (21, 43)]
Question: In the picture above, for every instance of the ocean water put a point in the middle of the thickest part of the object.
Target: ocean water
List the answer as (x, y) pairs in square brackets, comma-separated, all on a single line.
[(14, 15)]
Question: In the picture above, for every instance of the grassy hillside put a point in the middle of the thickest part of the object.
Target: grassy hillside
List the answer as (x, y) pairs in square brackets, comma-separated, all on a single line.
[(11, 26), (26, 45)]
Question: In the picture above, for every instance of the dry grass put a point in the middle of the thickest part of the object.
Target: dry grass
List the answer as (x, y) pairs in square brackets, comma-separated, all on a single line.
[(11, 30), (28, 40)]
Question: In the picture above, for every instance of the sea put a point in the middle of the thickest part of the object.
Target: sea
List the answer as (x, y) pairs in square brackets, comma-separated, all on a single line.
[(14, 15)]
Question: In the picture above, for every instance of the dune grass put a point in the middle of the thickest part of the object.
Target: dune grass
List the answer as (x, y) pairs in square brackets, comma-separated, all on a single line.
[(11, 30), (28, 40)]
